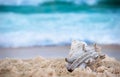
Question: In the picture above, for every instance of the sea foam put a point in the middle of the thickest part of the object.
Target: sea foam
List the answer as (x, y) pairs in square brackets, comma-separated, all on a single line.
[(19, 30)]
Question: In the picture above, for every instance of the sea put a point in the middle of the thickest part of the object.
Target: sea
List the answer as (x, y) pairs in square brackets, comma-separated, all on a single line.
[(58, 23)]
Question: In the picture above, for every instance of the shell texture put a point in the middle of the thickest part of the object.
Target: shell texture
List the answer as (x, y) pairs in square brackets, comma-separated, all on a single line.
[(81, 55)]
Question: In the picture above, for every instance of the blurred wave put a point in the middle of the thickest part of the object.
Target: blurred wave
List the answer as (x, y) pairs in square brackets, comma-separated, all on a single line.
[(37, 2), (48, 6), (20, 30), (57, 22)]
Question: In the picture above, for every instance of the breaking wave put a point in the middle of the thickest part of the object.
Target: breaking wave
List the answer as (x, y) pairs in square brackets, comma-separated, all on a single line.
[(20, 30)]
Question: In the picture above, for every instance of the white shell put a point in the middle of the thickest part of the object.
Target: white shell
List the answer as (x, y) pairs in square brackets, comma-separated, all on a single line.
[(81, 55)]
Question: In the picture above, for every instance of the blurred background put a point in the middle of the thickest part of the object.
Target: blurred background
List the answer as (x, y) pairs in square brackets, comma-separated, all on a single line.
[(35, 26)]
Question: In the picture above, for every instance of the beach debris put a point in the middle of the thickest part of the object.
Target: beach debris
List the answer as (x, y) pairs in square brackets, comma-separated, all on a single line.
[(81, 55)]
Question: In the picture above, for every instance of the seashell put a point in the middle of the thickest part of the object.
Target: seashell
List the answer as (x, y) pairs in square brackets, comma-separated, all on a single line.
[(82, 55)]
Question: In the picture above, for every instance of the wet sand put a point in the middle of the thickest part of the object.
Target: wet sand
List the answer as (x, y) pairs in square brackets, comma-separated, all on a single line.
[(51, 52)]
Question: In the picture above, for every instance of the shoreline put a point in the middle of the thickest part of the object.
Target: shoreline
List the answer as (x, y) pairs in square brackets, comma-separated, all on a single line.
[(51, 51)]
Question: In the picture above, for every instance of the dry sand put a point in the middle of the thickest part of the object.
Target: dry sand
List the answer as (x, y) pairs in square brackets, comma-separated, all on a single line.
[(43, 67)]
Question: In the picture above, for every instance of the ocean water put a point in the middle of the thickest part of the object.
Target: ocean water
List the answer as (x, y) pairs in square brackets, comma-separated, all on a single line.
[(19, 30), (23, 26)]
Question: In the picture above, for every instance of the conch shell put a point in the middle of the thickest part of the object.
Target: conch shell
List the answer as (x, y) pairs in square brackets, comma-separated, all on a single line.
[(82, 55)]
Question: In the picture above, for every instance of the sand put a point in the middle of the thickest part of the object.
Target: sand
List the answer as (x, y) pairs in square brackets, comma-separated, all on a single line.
[(22, 62), (51, 51), (44, 67)]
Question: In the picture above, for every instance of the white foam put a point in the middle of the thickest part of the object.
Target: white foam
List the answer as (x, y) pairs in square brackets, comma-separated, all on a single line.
[(18, 30)]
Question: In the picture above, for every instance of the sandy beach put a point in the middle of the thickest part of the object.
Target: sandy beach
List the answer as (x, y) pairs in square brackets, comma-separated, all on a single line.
[(41, 67), (51, 52), (27, 62), (59, 38)]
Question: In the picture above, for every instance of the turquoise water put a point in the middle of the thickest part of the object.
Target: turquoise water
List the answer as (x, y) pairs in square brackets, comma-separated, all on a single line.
[(23, 26), (61, 6), (58, 28)]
